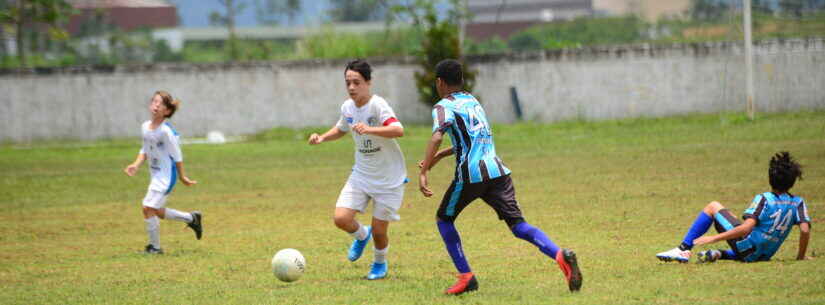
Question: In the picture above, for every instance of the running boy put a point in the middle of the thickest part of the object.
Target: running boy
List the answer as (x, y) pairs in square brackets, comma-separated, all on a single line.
[(162, 148), (768, 221), (379, 172), (479, 173)]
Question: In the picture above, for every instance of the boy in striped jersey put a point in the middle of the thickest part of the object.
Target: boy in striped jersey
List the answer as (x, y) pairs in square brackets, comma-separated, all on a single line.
[(479, 173), (768, 221)]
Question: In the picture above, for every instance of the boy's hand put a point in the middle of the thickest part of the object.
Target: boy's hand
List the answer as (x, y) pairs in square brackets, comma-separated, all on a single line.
[(130, 170), (361, 128), (315, 139), (704, 240), (422, 185), (188, 182)]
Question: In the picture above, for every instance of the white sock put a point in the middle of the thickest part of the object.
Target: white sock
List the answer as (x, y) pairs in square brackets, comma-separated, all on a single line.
[(381, 255), (173, 214), (359, 234), (153, 229)]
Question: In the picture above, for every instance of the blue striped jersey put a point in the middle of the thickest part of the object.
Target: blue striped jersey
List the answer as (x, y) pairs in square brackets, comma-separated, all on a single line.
[(461, 116), (774, 215)]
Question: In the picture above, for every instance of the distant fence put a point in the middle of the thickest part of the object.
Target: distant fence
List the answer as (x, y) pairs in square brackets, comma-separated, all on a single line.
[(242, 98)]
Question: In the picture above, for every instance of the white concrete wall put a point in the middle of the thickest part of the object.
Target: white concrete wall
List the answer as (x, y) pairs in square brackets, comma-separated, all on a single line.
[(246, 98)]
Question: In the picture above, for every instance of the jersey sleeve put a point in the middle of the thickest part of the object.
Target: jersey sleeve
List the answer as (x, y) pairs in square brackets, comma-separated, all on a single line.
[(174, 146), (755, 209), (387, 116), (343, 121), (802, 213), (443, 118), (143, 147)]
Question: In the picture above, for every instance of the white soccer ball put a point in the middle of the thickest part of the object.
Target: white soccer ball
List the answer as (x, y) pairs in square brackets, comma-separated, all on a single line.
[(288, 265)]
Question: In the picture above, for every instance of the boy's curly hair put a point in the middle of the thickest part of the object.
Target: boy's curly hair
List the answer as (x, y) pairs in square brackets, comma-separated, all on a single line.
[(783, 171)]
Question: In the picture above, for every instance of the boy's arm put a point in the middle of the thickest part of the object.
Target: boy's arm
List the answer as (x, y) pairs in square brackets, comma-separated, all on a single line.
[(391, 131), (438, 156), (804, 236), (132, 169), (429, 156), (738, 231), (332, 134), (183, 178)]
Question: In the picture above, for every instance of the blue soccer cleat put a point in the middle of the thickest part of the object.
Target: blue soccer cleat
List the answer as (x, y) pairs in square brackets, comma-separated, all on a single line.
[(377, 271), (357, 247)]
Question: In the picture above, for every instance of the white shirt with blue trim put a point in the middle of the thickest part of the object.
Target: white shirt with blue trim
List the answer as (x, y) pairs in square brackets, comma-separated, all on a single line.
[(162, 149)]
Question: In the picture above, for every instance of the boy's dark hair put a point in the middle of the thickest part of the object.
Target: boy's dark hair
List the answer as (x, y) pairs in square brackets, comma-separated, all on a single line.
[(360, 66), (783, 171), (449, 70)]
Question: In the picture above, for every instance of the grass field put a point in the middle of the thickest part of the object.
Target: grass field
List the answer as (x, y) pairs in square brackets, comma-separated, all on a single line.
[(617, 192)]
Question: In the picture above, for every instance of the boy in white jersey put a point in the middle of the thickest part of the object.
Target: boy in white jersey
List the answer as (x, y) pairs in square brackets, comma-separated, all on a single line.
[(162, 148), (379, 172)]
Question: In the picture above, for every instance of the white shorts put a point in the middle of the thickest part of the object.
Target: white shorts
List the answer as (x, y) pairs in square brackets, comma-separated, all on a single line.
[(155, 199), (385, 202)]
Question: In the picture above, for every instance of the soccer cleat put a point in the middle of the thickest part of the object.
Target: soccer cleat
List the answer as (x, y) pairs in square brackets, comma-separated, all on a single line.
[(377, 271), (357, 247), (196, 224), (570, 267), (708, 256), (152, 250), (466, 283), (674, 254)]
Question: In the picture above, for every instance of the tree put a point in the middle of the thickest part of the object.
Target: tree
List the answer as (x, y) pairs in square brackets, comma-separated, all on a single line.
[(228, 19), (708, 9), (440, 41), (270, 11), (30, 15), (357, 10), (792, 7)]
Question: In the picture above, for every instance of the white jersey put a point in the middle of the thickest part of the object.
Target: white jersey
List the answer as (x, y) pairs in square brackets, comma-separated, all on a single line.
[(379, 163), (162, 149)]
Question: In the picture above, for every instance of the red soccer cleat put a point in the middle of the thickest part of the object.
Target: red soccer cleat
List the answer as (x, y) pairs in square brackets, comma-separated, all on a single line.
[(466, 282), (568, 265)]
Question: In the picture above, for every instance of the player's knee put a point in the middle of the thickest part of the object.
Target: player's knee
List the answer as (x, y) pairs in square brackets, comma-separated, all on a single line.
[(149, 212), (713, 207), (341, 222)]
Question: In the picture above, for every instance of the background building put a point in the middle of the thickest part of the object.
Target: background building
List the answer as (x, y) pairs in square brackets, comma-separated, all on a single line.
[(502, 18), (650, 10)]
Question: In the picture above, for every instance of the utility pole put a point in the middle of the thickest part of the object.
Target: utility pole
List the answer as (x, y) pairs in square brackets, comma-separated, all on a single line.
[(749, 58)]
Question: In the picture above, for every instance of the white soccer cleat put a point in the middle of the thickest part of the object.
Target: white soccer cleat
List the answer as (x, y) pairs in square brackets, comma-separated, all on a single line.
[(674, 254)]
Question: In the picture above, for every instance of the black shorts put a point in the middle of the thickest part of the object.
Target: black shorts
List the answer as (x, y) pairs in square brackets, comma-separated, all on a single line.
[(724, 221), (498, 193)]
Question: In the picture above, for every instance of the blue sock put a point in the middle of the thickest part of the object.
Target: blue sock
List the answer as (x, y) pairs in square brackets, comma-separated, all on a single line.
[(453, 243), (536, 237), (699, 227), (727, 254)]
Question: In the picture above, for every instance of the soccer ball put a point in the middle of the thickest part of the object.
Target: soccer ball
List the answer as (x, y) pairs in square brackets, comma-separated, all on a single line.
[(288, 265)]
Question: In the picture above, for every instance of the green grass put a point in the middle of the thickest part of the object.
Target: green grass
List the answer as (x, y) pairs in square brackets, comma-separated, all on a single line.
[(617, 192)]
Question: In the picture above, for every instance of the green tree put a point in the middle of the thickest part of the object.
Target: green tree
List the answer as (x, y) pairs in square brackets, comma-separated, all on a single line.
[(792, 7), (357, 10), (28, 15), (270, 11), (440, 41), (227, 19), (708, 9)]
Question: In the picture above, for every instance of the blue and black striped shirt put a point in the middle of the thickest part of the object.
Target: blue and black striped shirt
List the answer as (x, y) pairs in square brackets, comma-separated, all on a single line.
[(461, 116)]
